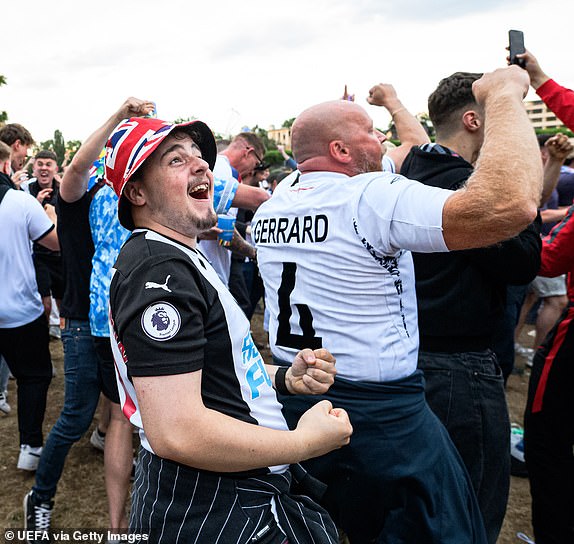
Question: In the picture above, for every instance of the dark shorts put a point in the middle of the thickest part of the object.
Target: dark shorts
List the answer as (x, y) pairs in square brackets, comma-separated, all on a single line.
[(49, 275), (106, 368)]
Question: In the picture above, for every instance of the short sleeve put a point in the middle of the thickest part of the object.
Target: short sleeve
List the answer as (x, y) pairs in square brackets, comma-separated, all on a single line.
[(39, 224), (158, 312), (395, 213)]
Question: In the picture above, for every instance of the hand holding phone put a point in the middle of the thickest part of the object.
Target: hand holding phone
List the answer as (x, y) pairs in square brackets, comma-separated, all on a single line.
[(516, 47)]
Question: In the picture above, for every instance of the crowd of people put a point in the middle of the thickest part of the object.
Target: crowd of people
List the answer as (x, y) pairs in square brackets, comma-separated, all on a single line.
[(395, 281)]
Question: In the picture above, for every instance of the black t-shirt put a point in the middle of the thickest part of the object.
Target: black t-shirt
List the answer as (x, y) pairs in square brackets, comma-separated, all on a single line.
[(34, 189), (77, 249)]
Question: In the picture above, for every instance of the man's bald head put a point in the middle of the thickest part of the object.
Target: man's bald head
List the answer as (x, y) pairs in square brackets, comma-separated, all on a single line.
[(317, 128)]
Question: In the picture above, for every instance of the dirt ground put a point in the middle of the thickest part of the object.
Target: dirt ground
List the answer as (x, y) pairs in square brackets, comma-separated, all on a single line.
[(81, 498)]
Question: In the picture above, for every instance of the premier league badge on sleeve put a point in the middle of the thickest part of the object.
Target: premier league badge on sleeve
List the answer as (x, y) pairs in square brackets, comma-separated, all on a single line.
[(161, 321)]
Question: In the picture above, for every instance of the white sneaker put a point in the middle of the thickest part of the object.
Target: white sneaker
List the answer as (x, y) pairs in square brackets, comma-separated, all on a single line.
[(4, 406), (29, 457), (519, 349), (97, 440)]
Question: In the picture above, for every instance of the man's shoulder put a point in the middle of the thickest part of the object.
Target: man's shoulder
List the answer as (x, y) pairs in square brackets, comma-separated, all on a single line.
[(144, 249), (222, 168), (22, 199)]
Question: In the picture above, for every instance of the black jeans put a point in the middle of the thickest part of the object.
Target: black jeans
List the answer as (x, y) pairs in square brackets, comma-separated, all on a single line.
[(27, 353), (549, 435), (466, 392)]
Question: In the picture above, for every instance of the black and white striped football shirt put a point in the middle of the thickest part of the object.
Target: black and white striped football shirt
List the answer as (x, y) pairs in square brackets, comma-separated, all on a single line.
[(171, 314)]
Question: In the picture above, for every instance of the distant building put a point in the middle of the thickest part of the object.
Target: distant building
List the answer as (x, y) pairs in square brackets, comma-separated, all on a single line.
[(281, 136), (540, 116)]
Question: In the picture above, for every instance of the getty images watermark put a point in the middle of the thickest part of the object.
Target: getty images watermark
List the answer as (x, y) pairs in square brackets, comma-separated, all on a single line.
[(72, 535)]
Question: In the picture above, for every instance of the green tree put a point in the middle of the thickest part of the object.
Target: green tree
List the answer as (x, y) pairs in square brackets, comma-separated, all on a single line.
[(264, 137), (288, 123), (555, 130), (273, 157), (184, 120), (3, 114), (57, 144)]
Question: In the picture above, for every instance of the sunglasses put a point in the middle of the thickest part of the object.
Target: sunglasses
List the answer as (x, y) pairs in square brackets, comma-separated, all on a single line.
[(260, 165)]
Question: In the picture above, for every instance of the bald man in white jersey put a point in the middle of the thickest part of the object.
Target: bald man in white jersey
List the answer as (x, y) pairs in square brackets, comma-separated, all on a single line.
[(334, 246)]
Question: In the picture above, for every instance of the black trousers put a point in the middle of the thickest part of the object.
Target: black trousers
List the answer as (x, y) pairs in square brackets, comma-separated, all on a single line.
[(549, 435), (27, 353), (176, 503)]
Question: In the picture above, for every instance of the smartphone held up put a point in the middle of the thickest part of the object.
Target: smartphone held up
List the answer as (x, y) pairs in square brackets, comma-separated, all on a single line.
[(516, 47)]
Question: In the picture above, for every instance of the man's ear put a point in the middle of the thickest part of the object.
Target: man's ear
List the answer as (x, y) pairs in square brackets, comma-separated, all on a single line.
[(471, 120), (134, 193), (339, 151), (5, 167)]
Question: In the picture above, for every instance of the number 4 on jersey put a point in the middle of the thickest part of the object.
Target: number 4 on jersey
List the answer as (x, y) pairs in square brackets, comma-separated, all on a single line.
[(284, 335)]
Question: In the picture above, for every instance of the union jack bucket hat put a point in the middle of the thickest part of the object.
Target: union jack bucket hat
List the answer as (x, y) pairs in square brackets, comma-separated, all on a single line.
[(134, 140)]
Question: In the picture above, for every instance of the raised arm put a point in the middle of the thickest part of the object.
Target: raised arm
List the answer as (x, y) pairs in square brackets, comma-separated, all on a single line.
[(75, 181), (409, 130), (559, 99), (502, 195), (558, 149)]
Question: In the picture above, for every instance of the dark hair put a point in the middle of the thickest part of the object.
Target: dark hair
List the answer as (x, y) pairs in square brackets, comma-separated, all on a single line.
[(4, 152), (278, 175), (543, 138), (252, 140), (46, 154), (13, 131), (452, 94)]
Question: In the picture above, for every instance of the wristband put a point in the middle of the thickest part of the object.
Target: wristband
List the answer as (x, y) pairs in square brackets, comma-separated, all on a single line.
[(280, 385), (397, 111)]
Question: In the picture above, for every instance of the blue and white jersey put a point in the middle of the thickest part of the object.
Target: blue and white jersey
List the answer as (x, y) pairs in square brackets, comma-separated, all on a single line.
[(108, 236), (334, 255), (225, 186), (171, 314)]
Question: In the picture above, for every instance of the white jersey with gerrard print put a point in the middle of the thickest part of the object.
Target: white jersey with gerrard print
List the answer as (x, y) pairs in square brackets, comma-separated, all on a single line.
[(171, 314), (334, 255)]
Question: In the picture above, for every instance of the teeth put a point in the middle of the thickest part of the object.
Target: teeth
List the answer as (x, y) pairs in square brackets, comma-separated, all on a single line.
[(199, 188)]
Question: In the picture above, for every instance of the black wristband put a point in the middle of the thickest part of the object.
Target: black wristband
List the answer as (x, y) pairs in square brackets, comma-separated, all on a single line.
[(280, 385)]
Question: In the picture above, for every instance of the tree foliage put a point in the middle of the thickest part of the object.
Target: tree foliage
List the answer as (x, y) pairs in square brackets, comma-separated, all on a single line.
[(264, 137), (180, 120), (60, 147), (3, 114), (562, 130), (273, 157), (288, 123)]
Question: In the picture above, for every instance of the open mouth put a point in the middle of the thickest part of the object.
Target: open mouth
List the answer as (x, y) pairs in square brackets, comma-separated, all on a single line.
[(200, 192)]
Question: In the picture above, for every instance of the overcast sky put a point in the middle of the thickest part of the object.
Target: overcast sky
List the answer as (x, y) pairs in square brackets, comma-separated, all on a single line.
[(69, 65)]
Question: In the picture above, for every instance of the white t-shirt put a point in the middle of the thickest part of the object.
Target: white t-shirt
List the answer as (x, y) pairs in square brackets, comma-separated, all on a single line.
[(22, 219), (333, 254)]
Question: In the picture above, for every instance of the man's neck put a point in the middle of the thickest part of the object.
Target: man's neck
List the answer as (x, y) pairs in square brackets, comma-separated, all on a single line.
[(45, 185), (167, 232), (461, 146), (322, 164)]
